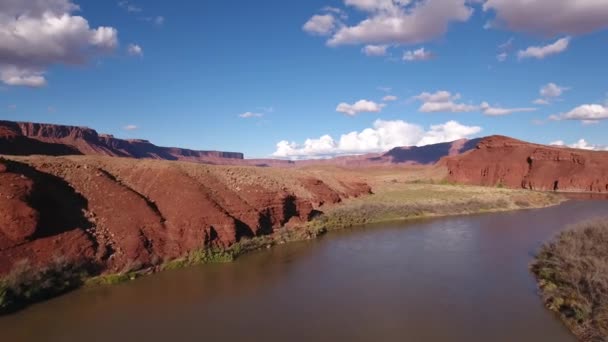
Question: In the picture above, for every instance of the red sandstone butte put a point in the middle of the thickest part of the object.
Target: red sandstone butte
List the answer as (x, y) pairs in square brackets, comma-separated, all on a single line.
[(499, 160)]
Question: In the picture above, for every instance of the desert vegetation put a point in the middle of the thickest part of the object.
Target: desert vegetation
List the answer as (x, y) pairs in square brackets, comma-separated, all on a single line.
[(27, 283), (394, 201), (572, 274)]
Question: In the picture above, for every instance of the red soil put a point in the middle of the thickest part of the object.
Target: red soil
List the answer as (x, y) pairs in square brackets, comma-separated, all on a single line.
[(115, 212)]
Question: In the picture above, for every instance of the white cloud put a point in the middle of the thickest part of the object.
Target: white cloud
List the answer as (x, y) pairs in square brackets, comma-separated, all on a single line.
[(580, 144), (320, 24), (445, 102), (442, 101), (389, 89), (550, 17), (159, 20), (375, 50), (417, 55), (131, 8), (540, 52), (504, 50), (383, 136), (135, 50), (541, 102), (35, 34), (587, 113), (361, 106), (248, 115), (488, 110), (550, 92), (398, 21), (130, 127), (389, 98)]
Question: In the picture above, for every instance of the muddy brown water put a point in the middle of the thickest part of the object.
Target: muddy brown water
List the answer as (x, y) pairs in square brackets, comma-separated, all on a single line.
[(451, 279)]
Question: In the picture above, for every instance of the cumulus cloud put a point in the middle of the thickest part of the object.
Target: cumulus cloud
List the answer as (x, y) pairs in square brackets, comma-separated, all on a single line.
[(550, 92), (248, 115), (389, 98), (580, 144), (550, 17), (587, 113), (396, 21), (417, 55), (130, 127), (320, 24), (35, 34), (375, 50), (541, 52), (442, 101), (361, 106), (383, 136), (135, 50), (488, 110)]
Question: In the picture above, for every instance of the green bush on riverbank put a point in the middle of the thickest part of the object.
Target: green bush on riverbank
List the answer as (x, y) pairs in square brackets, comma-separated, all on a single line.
[(572, 273), (26, 284)]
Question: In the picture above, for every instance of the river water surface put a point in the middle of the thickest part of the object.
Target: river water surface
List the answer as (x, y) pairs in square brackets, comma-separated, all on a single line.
[(450, 279)]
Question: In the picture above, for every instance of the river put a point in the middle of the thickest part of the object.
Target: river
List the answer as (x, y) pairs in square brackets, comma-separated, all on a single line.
[(461, 278)]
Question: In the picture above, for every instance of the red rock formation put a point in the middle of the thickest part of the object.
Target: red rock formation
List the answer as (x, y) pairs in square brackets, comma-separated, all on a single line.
[(115, 213), (518, 164), (26, 138)]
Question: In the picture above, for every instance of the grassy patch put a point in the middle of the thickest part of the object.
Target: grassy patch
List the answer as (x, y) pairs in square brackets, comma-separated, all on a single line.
[(402, 201), (26, 284), (572, 274)]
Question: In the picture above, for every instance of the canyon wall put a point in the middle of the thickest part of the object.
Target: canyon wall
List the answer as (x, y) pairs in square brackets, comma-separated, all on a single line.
[(26, 138), (499, 160), (117, 212)]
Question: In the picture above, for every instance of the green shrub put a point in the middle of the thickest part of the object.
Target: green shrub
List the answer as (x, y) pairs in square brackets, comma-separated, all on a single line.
[(26, 284)]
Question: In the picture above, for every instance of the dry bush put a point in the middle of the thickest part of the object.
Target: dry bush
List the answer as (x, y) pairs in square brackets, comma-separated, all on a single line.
[(572, 273)]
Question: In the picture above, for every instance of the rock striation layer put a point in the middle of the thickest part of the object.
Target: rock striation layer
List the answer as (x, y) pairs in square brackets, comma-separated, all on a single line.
[(26, 138), (114, 213), (499, 160)]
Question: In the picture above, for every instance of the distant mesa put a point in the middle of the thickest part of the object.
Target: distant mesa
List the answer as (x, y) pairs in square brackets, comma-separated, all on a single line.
[(26, 138)]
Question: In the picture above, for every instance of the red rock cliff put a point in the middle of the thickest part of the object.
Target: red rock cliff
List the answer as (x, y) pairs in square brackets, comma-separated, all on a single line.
[(116, 212), (26, 138), (518, 164)]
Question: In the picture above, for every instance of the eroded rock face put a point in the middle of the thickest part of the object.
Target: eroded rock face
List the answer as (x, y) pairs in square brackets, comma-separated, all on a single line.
[(499, 160), (117, 213), (27, 138)]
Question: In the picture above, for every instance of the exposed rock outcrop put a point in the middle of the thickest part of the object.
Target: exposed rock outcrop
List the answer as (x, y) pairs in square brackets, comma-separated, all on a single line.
[(113, 213), (499, 160), (26, 138)]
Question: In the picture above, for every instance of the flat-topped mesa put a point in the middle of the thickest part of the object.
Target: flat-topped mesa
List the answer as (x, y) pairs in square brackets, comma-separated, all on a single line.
[(52, 132), (503, 161), (26, 138)]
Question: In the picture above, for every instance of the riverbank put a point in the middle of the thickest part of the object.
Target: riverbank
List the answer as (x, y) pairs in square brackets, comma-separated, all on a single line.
[(572, 273), (392, 200), (398, 201)]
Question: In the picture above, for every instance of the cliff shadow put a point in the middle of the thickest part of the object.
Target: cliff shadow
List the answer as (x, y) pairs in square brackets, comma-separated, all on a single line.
[(59, 206)]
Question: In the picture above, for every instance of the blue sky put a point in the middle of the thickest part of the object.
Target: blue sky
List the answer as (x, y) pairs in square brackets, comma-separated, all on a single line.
[(199, 66)]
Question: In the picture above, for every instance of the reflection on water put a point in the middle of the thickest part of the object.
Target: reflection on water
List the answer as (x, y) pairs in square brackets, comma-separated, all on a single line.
[(452, 279)]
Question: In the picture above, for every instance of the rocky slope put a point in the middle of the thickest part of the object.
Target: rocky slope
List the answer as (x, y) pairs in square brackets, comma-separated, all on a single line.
[(113, 213), (499, 160), (26, 138)]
